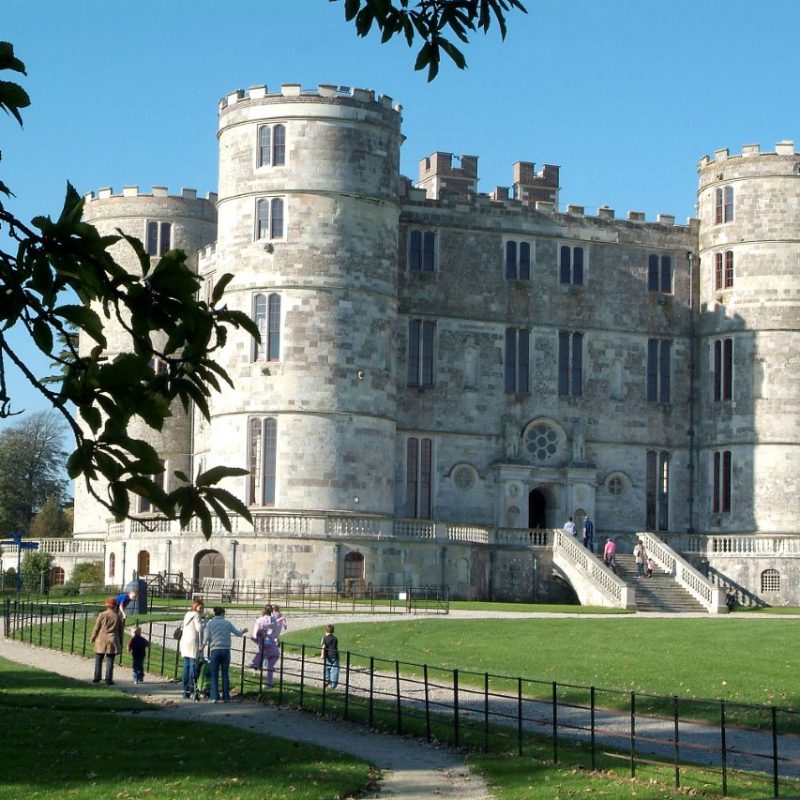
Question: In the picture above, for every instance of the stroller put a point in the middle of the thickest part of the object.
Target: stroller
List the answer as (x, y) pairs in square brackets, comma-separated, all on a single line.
[(200, 689)]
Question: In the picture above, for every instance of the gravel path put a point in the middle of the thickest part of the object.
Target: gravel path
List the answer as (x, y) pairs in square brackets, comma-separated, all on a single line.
[(410, 770)]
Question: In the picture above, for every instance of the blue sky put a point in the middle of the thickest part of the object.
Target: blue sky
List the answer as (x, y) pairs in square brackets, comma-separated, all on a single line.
[(625, 95)]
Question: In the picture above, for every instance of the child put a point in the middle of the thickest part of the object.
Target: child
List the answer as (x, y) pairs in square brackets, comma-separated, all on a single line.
[(137, 647), (330, 658), (651, 565)]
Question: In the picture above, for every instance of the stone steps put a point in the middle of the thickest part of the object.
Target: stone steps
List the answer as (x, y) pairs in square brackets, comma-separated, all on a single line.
[(659, 593)]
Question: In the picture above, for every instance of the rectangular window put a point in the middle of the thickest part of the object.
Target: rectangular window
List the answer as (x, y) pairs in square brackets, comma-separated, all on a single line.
[(723, 369), (571, 264), (518, 261), (267, 317), (659, 274), (721, 482), (570, 364), (271, 145), (728, 269), (420, 352), (657, 491), (269, 218), (262, 457), (419, 474), (723, 270), (159, 238), (723, 205), (517, 360), (422, 251), (659, 368)]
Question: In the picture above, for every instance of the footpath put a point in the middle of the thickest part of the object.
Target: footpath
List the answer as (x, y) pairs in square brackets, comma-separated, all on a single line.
[(410, 770)]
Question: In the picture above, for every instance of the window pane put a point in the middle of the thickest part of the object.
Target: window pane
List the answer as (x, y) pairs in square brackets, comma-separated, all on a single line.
[(264, 149), (563, 363), (425, 473), (262, 225), (652, 369), (152, 238), (276, 231), (577, 364), (726, 480), (413, 352), (718, 271), (715, 492), (666, 274), (717, 206), (412, 465), (651, 478), (427, 353), (663, 495), (415, 250), (511, 261), (260, 319), (279, 143), (254, 461), (727, 370), (728, 269), (522, 375), (270, 452), (728, 217), (566, 265), (664, 372), (511, 359), (274, 328), (166, 238), (428, 251), (577, 266), (717, 370), (652, 274), (524, 261)]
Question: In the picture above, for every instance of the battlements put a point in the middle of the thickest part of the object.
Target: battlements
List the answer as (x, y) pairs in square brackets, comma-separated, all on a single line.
[(294, 90), (156, 191), (783, 148)]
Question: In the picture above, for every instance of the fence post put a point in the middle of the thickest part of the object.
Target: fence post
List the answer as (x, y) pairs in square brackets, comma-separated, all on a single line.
[(633, 734), (149, 639), (724, 747), (85, 630), (397, 690), (163, 646), (676, 717), (302, 672), (371, 687), (774, 751), (455, 706), (7, 617), (243, 640), (346, 684), (485, 712), (41, 626), (280, 677), (555, 722), (427, 703), (592, 708), (74, 625), (519, 716)]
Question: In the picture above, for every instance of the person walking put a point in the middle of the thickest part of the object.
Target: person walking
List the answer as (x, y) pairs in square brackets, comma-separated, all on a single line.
[(640, 557), (569, 527), (610, 555), (107, 639), (191, 644), (217, 635), (330, 658), (265, 634), (137, 647), (588, 533)]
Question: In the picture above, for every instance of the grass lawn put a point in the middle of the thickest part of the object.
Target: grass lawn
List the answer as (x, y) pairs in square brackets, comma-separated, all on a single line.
[(64, 739), (736, 659)]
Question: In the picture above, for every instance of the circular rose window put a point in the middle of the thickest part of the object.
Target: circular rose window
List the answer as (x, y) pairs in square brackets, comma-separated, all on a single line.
[(541, 441), (464, 477)]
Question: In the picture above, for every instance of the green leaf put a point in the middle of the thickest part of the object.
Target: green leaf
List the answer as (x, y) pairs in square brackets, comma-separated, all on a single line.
[(12, 98), (216, 474), (42, 336)]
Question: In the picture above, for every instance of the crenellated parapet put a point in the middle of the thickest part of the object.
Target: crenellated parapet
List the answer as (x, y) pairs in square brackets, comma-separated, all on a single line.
[(750, 162), (107, 193)]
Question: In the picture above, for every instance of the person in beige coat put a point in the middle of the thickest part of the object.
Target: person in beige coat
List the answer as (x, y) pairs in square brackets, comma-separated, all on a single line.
[(107, 638)]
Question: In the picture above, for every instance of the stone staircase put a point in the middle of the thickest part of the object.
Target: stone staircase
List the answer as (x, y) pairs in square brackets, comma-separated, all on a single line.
[(659, 593)]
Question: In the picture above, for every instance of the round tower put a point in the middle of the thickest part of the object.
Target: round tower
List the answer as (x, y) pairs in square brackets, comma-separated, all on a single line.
[(308, 225), (749, 324), (162, 222)]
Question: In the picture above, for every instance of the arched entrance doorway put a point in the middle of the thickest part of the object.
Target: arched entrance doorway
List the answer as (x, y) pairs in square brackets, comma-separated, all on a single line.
[(208, 564), (537, 509)]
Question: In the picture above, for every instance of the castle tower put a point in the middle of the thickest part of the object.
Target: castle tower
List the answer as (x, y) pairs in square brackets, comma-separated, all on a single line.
[(162, 222), (748, 399), (308, 224)]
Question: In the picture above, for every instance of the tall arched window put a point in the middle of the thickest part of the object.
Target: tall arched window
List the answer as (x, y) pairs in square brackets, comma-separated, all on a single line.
[(267, 317), (143, 563), (271, 145), (262, 456)]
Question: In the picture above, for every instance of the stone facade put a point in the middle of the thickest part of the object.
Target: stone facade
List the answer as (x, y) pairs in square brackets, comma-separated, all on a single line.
[(485, 361)]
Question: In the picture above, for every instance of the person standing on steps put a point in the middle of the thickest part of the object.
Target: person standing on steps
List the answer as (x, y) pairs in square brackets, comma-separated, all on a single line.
[(610, 555), (107, 639), (330, 658), (588, 533), (217, 636), (569, 527), (640, 557)]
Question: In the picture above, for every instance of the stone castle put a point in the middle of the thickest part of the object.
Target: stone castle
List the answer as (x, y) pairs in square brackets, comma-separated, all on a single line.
[(446, 376)]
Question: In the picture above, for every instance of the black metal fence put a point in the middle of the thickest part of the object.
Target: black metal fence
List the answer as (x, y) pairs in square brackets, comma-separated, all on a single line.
[(733, 743)]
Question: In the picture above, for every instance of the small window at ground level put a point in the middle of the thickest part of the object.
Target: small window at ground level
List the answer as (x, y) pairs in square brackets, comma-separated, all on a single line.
[(770, 580)]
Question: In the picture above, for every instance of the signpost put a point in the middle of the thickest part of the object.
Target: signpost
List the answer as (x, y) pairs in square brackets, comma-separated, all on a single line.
[(17, 541)]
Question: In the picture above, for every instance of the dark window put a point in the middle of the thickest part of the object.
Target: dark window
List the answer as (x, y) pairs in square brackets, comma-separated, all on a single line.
[(420, 352), (723, 270), (657, 491), (517, 360), (159, 238), (262, 457), (723, 205), (658, 370), (267, 317), (721, 482), (518, 261), (419, 471), (422, 251), (728, 269), (570, 364), (571, 264), (718, 272), (659, 274), (353, 567), (271, 145), (723, 369), (269, 218)]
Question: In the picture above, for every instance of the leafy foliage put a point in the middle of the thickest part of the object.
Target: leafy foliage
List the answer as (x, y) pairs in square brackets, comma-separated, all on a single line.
[(59, 275), (31, 476), (430, 21), (50, 522)]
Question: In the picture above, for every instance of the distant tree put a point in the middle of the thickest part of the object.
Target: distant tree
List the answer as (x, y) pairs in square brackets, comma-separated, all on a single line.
[(35, 570), (50, 522), (57, 275), (431, 22), (31, 470)]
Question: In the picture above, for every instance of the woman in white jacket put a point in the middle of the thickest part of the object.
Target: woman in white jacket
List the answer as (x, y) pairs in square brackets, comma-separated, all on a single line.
[(190, 644)]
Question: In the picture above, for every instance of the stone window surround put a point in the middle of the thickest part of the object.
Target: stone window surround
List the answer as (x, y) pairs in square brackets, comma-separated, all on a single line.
[(516, 360), (267, 224), (416, 260), (517, 265), (158, 244), (722, 368), (721, 481), (658, 384), (268, 317), (566, 366), (261, 459), (420, 455), (724, 265), (562, 266), (660, 273), (723, 205), (281, 161)]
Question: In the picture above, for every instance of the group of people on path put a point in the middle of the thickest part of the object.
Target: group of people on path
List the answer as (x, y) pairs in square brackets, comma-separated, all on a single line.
[(107, 634), (644, 564)]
